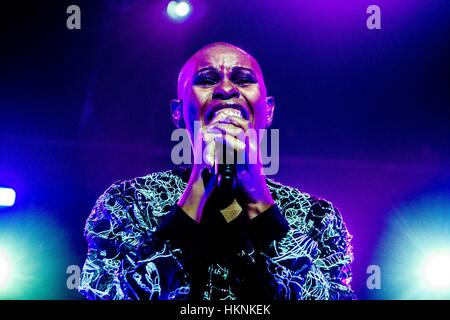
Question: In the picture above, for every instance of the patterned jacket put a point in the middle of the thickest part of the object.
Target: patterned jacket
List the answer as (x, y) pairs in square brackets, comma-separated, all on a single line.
[(127, 260)]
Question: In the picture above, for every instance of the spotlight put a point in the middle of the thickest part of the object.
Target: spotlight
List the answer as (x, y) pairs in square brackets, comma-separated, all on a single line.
[(414, 253), (436, 271), (5, 269), (33, 256), (7, 197), (179, 10)]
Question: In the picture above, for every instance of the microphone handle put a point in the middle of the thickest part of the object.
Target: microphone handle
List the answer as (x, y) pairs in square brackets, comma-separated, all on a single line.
[(226, 184)]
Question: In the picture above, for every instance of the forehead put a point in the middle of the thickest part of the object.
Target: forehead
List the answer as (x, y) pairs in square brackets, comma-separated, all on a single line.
[(222, 58)]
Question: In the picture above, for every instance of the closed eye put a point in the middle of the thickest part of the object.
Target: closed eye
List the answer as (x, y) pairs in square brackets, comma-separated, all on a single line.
[(205, 81), (243, 76), (206, 77), (244, 81)]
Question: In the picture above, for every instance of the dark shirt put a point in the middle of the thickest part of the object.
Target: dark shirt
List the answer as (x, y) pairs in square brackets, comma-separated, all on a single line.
[(143, 246)]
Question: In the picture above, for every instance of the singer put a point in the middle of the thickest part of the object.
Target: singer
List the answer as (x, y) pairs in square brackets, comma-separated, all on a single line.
[(216, 230)]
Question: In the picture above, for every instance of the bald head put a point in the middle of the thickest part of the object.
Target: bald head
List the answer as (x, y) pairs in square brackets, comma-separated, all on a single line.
[(217, 76), (217, 53)]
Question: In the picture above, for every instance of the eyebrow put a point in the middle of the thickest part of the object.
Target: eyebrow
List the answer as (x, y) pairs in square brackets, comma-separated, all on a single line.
[(236, 69), (233, 70), (202, 70)]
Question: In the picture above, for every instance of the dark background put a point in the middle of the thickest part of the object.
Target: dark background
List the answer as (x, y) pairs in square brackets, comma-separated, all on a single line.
[(364, 116)]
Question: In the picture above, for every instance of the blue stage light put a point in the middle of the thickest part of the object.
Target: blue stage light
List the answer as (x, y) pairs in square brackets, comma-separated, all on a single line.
[(179, 10), (7, 197), (414, 254)]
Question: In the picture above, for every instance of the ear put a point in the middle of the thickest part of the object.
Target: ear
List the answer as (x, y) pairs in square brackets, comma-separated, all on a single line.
[(176, 109), (270, 105)]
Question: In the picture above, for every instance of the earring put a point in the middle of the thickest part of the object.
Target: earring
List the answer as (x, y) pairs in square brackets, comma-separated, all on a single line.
[(270, 102), (175, 106), (177, 115)]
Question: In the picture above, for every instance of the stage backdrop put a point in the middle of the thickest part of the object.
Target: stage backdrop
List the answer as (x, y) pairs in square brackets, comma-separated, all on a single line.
[(363, 116)]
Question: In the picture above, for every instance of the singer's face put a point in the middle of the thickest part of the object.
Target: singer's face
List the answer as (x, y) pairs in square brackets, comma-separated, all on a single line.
[(222, 77)]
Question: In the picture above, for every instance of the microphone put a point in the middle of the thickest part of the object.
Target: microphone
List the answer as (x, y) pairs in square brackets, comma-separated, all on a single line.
[(226, 184), (226, 173)]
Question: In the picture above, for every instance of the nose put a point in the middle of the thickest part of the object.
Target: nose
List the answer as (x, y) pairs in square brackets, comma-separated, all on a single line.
[(225, 91)]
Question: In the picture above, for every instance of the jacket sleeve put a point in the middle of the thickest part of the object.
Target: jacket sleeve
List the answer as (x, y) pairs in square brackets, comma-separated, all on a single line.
[(335, 256), (268, 226), (124, 261), (106, 236), (312, 262)]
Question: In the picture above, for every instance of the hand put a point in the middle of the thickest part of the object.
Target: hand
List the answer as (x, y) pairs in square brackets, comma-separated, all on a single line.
[(253, 193), (252, 190)]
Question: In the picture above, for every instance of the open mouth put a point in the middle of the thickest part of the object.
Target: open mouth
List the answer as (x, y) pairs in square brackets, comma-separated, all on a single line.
[(232, 109)]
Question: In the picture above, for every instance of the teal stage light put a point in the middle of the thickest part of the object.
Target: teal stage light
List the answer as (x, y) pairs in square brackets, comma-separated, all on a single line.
[(34, 254), (414, 253)]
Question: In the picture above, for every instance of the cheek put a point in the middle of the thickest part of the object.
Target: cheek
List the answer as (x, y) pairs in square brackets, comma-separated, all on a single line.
[(258, 103), (194, 104), (200, 96)]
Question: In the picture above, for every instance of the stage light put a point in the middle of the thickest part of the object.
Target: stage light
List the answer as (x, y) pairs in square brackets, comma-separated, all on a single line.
[(437, 271), (414, 253), (179, 10), (7, 197), (5, 268), (33, 256)]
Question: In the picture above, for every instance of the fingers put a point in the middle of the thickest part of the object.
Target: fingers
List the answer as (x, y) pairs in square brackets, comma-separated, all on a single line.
[(226, 129), (209, 147), (209, 154), (235, 120), (226, 133), (214, 149), (238, 122), (231, 143), (231, 133), (228, 126)]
